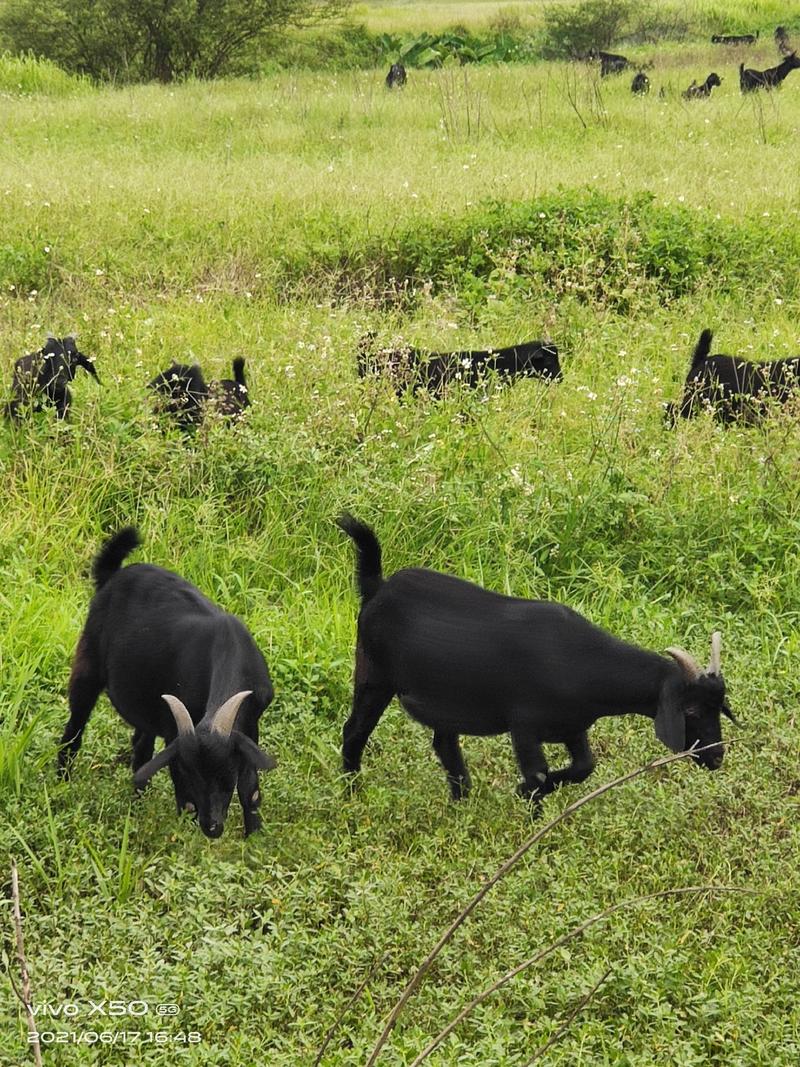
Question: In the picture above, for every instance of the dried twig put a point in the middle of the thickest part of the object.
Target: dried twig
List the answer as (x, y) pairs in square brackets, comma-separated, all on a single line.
[(570, 935), (337, 1021), (463, 915), (566, 1024), (24, 994)]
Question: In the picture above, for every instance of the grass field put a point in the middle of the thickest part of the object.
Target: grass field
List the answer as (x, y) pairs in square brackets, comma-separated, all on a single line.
[(278, 220)]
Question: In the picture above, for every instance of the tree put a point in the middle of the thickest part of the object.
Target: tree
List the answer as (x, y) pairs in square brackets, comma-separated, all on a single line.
[(572, 31), (151, 39)]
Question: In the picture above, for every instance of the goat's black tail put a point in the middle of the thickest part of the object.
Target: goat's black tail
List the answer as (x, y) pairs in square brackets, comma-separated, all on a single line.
[(238, 372), (702, 348), (369, 573), (109, 559)]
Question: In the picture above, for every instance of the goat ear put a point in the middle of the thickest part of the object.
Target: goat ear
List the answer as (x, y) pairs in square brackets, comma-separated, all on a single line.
[(670, 724), (147, 770), (261, 760)]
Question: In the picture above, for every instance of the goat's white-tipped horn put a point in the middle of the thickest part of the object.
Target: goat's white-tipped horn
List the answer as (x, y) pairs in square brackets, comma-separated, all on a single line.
[(686, 662), (183, 720), (225, 716), (716, 653)]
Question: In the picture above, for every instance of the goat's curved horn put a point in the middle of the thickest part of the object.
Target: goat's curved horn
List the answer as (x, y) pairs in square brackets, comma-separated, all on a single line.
[(686, 662), (225, 716), (716, 653), (183, 720)]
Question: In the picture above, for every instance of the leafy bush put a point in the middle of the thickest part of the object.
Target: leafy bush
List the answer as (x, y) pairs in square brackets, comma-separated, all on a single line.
[(572, 31), (25, 74)]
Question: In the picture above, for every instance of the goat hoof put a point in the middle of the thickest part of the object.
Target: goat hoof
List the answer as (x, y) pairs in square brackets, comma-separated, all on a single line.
[(252, 823)]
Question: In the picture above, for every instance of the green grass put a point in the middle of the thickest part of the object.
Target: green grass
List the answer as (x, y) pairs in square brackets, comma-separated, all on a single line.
[(276, 219)]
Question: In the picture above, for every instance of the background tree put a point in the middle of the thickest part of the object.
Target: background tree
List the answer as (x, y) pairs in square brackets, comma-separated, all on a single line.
[(151, 39)]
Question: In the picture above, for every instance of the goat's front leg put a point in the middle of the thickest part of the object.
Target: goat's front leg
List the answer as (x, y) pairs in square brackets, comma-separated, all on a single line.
[(141, 749), (582, 763), (447, 748), (532, 764), (247, 787)]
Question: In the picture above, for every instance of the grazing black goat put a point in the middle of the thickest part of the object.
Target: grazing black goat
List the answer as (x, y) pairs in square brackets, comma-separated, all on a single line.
[(229, 395), (181, 393), (175, 666), (782, 41), (397, 77), (464, 660), (734, 389), (640, 86), (42, 378), (409, 368), (609, 62), (750, 80), (735, 38), (700, 92)]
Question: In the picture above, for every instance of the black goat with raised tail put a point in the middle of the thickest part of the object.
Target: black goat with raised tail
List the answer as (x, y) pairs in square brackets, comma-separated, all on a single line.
[(464, 660), (42, 378), (174, 665)]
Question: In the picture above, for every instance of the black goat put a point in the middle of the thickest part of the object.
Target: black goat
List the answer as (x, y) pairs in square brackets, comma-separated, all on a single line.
[(175, 666), (409, 368), (609, 62), (42, 378), (733, 388), (699, 92), (750, 80), (181, 393), (229, 395), (464, 660), (397, 77), (640, 86), (735, 38), (782, 41)]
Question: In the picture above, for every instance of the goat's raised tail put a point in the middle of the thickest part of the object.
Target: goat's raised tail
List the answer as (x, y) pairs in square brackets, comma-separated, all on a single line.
[(238, 372), (109, 559), (369, 573), (702, 348)]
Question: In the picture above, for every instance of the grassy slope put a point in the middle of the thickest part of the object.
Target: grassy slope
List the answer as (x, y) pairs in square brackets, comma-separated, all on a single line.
[(165, 212)]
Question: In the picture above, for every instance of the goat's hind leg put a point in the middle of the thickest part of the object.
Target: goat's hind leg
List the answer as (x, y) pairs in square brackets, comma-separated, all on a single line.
[(371, 696), (85, 686), (582, 763), (532, 764), (447, 748)]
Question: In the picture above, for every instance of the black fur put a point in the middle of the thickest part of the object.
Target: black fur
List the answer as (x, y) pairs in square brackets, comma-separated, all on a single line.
[(181, 393), (229, 395), (609, 62), (42, 378), (150, 632), (463, 660), (697, 92), (640, 85), (734, 389), (750, 80), (397, 77), (782, 41), (410, 368)]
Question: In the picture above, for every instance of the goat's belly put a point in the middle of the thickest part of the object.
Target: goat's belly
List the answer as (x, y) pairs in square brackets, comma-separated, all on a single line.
[(453, 716)]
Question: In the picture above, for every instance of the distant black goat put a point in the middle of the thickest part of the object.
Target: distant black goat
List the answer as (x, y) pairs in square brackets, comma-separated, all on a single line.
[(229, 395), (734, 388), (782, 41), (410, 368), (697, 92), (750, 80), (181, 393), (735, 38), (42, 377), (175, 666), (463, 660), (640, 86), (397, 77), (609, 62)]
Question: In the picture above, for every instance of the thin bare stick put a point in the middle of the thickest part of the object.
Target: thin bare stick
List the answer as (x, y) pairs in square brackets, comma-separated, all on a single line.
[(570, 935), (24, 994), (566, 1025), (338, 1020), (526, 846)]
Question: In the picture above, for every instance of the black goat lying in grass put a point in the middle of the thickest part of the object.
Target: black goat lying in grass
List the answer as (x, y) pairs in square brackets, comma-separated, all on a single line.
[(397, 77), (733, 388), (409, 368), (182, 393), (463, 660), (43, 377), (175, 666), (750, 80), (699, 92), (640, 86)]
